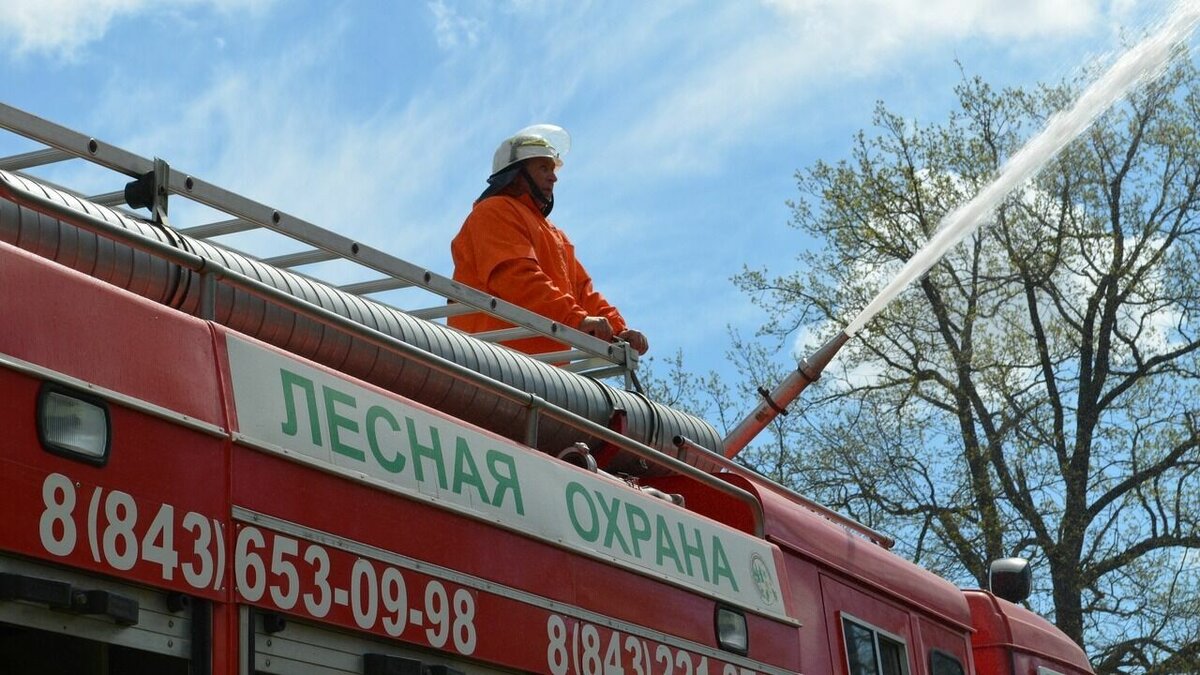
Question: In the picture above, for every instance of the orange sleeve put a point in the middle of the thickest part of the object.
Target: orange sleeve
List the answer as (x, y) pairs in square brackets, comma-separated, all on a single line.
[(522, 282), (594, 303)]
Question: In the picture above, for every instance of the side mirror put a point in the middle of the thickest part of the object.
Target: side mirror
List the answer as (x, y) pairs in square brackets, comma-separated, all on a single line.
[(1011, 579)]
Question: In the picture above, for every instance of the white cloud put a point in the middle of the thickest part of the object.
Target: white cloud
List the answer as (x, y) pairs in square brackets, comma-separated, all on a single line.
[(891, 23), (453, 29), (61, 28), (776, 58)]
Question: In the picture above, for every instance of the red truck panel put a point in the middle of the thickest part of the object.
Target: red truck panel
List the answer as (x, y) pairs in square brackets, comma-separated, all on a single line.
[(1008, 634), (71, 323)]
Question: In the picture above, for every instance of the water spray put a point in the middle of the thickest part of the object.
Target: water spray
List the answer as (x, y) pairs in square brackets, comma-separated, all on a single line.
[(1142, 63)]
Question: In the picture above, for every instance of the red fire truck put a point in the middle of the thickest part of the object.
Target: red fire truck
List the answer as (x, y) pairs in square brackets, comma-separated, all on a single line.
[(216, 463)]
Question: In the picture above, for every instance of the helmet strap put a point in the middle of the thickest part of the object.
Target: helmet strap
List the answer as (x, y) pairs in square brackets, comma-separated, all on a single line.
[(546, 204)]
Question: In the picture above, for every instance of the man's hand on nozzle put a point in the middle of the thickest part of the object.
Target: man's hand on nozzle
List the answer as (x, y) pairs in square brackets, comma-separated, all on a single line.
[(636, 339), (598, 326)]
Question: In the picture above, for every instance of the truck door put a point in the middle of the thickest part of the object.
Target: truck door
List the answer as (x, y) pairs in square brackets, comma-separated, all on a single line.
[(868, 636)]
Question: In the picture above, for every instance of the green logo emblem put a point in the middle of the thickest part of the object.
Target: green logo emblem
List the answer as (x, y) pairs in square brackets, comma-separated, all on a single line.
[(763, 580)]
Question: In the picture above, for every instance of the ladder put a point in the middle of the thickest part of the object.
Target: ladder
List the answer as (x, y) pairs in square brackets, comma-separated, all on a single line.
[(431, 296)]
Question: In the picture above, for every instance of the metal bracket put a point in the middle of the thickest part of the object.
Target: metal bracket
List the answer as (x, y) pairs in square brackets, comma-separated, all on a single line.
[(385, 664), (63, 596), (117, 607), (273, 623), (149, 191), (55, 594), (762, 391)]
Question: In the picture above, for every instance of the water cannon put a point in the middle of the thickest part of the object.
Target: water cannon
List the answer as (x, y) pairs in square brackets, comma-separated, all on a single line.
[(776, 401)]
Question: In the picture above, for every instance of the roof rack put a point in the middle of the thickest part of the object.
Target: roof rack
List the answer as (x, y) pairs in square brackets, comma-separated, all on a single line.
[(438, 296)]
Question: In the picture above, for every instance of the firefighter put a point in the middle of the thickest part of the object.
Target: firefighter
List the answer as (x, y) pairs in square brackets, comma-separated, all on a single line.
[(509, 249)]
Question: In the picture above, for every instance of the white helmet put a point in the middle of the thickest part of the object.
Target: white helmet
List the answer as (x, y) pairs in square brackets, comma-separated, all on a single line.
[(539, 140)]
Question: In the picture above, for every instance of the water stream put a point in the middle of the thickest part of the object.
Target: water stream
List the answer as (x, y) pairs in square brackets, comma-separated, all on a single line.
[(1143, 62)]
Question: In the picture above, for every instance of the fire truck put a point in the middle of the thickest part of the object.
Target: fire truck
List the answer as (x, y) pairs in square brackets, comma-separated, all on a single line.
[(217, 461)]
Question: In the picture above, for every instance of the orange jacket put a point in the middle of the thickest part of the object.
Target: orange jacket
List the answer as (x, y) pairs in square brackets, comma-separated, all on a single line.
[(506, 248)]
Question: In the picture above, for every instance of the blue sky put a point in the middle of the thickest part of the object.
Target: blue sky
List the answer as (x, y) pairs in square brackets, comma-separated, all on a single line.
[(689, 119)]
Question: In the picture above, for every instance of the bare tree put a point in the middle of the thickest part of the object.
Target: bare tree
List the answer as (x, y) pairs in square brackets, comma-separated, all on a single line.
[(1035, 394)]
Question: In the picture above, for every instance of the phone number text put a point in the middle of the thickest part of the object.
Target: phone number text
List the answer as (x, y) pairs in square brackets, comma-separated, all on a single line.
[(120, 532), (294, 574), (580, 648)]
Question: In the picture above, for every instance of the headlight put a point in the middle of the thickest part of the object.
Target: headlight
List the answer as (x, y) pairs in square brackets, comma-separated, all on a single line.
[(73, 425), (731, 630)]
